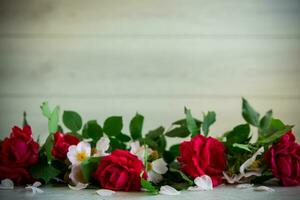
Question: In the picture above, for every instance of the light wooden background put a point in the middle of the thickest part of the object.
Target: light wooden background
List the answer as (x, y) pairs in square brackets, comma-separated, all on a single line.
[(111, 57)]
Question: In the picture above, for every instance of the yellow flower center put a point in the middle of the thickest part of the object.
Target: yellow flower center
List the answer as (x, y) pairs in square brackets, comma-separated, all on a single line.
[(81, 156)]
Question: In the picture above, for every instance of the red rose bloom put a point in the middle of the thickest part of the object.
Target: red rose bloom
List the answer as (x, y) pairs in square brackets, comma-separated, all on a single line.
[(284, 159), (120, 171), (61, 145), (17, 152), (203, 156)]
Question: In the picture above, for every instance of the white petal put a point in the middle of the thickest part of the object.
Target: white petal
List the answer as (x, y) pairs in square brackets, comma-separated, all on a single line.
[(76, 175), (263, 188), (73, 160), (87, 140), (168, 190), (134, 146), (105, 192), (7, 184), (84, 147), (37, 184), (194, 188), (159, 166), (102, 146), (72, 151), (249, 162), (204, 182), (33, 189), (78, 186), (38, 190), (154, 177), (244, 186)]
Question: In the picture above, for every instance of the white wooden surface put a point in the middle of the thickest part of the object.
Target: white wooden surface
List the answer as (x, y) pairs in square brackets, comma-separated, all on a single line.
[(117, 57), (222, 192)]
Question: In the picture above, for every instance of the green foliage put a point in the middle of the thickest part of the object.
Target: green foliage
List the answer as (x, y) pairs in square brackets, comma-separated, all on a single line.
[(25, 122), (92, 130), (156, 140), (113, 125), (43, 170), (53, 117), (72, 121), (265, 123), (148, 186), (47, 147), (136, 126), (180, 131), (88, 167), (191, 123), (273, 137), (239, 134), (249, 114), (208, 120)]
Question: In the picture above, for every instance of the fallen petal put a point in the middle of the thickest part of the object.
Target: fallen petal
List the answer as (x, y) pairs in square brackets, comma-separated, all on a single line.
[(194, 188), (7, 184), (204, 182), (78, 186), (168, 190), (105, 192), (37, 184), (263, 188)]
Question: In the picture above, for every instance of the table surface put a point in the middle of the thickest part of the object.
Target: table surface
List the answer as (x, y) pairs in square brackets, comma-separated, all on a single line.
[(222, 192)]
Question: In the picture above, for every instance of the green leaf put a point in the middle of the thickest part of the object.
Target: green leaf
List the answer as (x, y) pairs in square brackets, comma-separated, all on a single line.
[(116, 144), (208, 120), (123, 137), (53, 120), (265, 123), (181, 132), (46, 110), (47, 147), (183, 176), (88, 167), (136, 126), (249, 114), (72, 120), (168, 156), (275, 136), (155, 139), (42, 170), (242, 146), (182, 122), (239, 134), (148, 186), (25, 122), (175, 149), (191, 123), (275, 126), (92, 130), (113, 125)]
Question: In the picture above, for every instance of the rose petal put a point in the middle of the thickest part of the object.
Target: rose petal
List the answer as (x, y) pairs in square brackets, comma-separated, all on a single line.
[(244, 186), (78, 186), (105, 192), (37, 184), (168, 190), (204, 182), (263, 188), (159, 166), (7, 184)]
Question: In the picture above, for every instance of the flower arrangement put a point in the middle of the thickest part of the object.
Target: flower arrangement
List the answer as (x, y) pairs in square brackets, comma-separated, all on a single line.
[(104, 157)]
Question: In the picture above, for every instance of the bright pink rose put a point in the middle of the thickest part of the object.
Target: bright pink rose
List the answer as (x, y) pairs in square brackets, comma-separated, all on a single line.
[(203, 156), (284, 159), (61, 145), (18, 152), (120, 171)]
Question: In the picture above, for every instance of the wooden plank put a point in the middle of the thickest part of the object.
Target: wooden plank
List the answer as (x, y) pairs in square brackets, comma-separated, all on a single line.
[(156, 111), (149, 68), (193, 18)]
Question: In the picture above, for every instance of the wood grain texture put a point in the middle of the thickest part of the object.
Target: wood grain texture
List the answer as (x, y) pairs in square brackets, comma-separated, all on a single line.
[(189, 18)]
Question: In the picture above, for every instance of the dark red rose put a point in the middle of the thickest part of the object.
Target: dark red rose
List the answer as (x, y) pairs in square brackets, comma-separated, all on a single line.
[(120, 171), (19, 150), (203, 156), (18, 175), (284, 159), (61, 145)]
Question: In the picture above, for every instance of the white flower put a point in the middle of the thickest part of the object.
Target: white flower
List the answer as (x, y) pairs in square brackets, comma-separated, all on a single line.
[(203, 183), (34, 187), (102, 146), (105, 192), (7, 184), (168, 190), (76, 175), (138, 150), (159, 167), (79, 153), (78, 186)]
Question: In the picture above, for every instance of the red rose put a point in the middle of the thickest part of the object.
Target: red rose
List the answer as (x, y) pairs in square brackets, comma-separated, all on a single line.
[(19, 150), (203, 156), (284, 159), (19, 176), (120, 171), (61, 145)]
